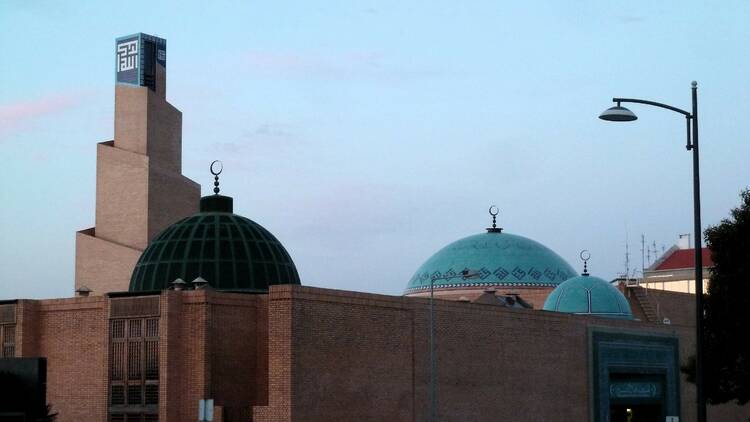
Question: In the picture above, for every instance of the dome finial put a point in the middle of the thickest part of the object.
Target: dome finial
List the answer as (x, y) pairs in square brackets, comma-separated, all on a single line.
[(585, 256), (494, 211), (216, 174)]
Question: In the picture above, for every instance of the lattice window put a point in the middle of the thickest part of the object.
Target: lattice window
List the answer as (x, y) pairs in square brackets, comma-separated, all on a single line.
[(135, 394), (139, 307), (117, 367), (118, 329), (118, 395), (134, 328), (134, 369), (7, 314), (135, 361), (7, 341), (152, 394), (134, 417), (152, 360)]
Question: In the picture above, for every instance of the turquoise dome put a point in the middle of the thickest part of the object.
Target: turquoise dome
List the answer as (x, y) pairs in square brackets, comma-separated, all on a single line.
[(587, 295), (499, 258)]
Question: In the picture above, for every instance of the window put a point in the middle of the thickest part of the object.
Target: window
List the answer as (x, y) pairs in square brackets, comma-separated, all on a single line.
[(134, 417), (134, 370), (7, 341)]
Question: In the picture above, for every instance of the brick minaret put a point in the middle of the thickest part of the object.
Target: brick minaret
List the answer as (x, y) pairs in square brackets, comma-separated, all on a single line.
[(140, 189)]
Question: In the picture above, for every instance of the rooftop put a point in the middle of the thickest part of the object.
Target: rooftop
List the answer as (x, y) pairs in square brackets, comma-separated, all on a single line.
[(680, 259)]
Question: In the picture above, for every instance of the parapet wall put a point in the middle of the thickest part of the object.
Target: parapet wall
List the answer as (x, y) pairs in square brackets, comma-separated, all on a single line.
[(338, 355)]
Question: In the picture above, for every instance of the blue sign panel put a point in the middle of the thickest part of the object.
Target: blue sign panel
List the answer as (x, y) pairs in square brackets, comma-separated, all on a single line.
[(128, 60), (136, 57), (633, 390)]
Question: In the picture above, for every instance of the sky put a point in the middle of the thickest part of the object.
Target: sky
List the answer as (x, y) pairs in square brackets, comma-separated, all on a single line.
[(368, 135)]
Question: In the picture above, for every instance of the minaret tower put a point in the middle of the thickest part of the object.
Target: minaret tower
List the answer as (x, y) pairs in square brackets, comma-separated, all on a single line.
[(140, 189)]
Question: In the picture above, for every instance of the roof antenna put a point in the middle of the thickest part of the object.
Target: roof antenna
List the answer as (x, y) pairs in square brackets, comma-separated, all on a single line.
[(585, 256), (494, 211), (216, 174)]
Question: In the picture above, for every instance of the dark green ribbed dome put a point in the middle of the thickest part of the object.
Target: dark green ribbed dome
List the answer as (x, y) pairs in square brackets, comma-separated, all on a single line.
[(229, 251)]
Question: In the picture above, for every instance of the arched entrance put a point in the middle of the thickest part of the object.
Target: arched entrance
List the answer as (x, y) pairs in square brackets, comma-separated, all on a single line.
[(634, 377), (636, 398)]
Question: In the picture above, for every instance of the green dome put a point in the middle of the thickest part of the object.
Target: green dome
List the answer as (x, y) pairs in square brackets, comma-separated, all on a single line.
[(229, 251), (499, 258), (587, 295)]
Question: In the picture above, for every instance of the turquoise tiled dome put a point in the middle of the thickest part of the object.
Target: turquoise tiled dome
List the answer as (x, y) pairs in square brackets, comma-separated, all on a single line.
[(587, 295), (499, 258)]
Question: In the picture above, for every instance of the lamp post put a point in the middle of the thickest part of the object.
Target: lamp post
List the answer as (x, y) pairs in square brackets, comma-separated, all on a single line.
[(465, 274), (622, 114)]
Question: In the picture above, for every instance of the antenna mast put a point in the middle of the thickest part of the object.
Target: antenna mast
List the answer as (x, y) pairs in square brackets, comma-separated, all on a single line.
[(627, 257), (643, 254)]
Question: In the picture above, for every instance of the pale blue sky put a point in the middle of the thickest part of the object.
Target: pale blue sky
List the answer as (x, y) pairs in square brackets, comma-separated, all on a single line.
[(367, 135)]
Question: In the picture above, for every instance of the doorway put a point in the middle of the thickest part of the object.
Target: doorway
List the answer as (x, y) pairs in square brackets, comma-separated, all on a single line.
[(635, 413)]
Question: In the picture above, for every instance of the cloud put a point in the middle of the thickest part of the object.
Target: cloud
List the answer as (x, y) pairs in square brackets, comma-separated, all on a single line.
[(337, 66), (14, 117), (630, 19), (337, 211), (273, 130), (252, 146), (268, 134)]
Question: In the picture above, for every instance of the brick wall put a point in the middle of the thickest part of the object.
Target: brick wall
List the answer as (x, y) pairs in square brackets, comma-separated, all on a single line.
[(309, 354), (211, 345), (338, 355), (238, 354), (279, 405), (72, 335), (215, 347)]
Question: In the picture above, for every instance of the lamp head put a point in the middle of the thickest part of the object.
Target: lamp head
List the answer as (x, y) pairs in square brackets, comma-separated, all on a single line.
[(618, 114)]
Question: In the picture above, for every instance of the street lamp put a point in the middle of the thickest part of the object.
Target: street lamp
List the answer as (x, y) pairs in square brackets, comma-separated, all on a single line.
[(622, 114), (465, 275)]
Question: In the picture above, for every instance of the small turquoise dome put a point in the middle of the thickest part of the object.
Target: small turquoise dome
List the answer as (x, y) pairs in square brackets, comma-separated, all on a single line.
[(587, 295), (499, 258)]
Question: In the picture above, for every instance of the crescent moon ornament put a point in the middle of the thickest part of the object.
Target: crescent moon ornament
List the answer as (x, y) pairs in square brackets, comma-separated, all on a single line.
[(494, 211), (216, 168), (585, 255), (220, 167)]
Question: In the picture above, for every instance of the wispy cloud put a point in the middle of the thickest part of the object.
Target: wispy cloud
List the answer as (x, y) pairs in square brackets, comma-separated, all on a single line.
[(256, 143), (336, 66), (298, 63), (346, 215), (627, 19), (268, 134), (21, 114)]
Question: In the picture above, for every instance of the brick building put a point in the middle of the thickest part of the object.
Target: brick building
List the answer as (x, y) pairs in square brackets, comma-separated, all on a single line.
[(309, 354), (675, 270), (194, 302)]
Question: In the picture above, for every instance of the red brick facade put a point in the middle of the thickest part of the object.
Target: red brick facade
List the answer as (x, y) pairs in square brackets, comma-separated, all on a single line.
[(310, 354)]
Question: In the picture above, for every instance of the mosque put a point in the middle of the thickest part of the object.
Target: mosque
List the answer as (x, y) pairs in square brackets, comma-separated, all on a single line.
[(185, 310)]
